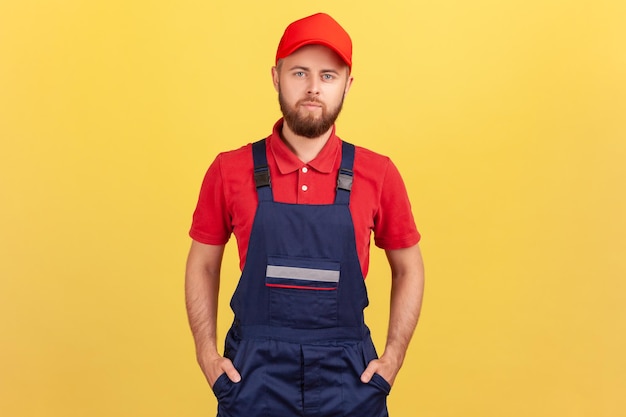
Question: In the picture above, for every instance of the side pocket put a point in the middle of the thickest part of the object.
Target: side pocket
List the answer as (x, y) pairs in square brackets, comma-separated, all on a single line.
[(223, 384), (361, 399), (369, 354), (380, 383)]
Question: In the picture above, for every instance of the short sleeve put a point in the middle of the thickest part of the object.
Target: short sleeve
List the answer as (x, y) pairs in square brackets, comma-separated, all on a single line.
[(211, 220), (394, 225)]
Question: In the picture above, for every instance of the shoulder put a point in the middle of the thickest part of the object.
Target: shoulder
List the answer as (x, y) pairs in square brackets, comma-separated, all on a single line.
[(231, 162), (377, 173), (236, 156), (229, 166), (368, 156), (372, 165)]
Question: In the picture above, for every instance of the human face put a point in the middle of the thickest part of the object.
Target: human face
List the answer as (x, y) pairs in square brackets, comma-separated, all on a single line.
[(311, 83)]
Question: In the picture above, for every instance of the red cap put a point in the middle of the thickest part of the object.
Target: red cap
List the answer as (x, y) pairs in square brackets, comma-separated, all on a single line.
[(318, 29)]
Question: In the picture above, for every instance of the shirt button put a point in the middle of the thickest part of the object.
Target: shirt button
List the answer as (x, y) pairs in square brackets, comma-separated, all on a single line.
[(304, 188), (305, 170)]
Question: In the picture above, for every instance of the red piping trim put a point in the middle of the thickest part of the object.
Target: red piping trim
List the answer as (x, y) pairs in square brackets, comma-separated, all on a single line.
[(298, 287)]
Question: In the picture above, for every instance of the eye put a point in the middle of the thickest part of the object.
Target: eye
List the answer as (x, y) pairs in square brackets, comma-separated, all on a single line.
[(299, 74), (328, 77)]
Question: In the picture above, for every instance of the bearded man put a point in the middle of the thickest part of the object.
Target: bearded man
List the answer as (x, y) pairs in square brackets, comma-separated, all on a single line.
[(302, 205)]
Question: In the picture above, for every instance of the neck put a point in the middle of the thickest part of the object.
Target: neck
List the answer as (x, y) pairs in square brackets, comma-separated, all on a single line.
[(306, 149)]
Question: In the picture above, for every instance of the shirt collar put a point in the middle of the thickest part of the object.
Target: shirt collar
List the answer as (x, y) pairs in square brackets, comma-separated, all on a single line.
[(288, 162)]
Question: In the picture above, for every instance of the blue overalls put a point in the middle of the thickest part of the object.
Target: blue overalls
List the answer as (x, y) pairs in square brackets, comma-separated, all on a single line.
[(298, 338)]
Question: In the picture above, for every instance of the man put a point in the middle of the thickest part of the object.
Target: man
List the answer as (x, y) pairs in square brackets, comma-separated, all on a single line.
[(302, 205)]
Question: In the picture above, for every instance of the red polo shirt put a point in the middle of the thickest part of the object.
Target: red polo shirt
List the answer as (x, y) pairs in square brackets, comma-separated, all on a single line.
[(378, 201)]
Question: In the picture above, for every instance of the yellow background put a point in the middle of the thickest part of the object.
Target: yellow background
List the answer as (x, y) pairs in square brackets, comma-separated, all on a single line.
[(506, 118)]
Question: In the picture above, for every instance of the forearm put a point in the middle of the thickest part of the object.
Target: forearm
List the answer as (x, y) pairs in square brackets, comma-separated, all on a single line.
[(201, 296), (406, 302), (407, 290), (201, 301), (202, 284)]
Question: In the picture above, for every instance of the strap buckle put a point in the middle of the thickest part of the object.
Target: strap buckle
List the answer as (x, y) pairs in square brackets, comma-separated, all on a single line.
[(261, 176), (344, 179)]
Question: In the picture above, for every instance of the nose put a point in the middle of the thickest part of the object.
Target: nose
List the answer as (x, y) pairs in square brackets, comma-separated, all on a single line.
[(314, 86)]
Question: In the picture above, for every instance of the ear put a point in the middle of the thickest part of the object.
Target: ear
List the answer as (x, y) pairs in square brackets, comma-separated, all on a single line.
[(348, 85), (275, 77)]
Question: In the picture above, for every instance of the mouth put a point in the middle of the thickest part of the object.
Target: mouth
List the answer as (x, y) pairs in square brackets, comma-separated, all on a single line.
[(311, 105)]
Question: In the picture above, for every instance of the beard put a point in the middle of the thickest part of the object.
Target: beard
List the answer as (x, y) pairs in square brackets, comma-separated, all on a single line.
[(308, 125)]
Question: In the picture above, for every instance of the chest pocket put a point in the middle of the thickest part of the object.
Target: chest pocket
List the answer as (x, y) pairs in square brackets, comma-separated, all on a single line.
[(302, 292)]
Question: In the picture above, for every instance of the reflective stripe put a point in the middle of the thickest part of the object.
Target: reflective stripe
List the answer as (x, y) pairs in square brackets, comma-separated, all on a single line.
[(304, 274)]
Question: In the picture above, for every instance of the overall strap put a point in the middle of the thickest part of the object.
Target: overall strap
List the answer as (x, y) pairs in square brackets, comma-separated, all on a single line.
[(344, 179), (261, 171)]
